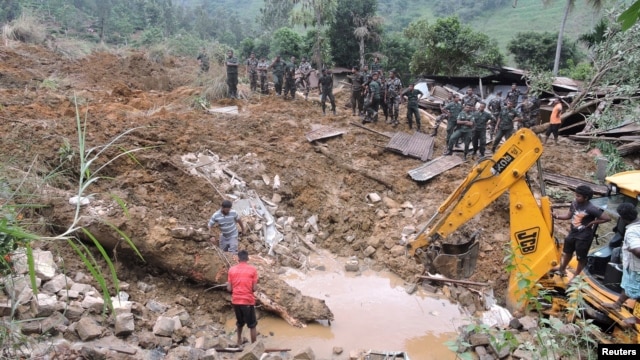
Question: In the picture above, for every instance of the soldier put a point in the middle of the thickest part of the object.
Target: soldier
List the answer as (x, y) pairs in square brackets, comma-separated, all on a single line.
[(479, 136), (452, 110), (326, 90), (444, 115), (305, 71), (203, 59), (393, 89), (290, 78), (278, 73), (376, 66), (263, 68), (366, 74), (413, 97), (251, 71), (374, 94), (232, 74), (464, 129), (357, 81), (507, 117), (513, 95), (530, 109), (470, 99), (495, 106)]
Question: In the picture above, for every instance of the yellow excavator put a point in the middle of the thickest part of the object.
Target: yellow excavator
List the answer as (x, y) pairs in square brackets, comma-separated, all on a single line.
[(536, 251)]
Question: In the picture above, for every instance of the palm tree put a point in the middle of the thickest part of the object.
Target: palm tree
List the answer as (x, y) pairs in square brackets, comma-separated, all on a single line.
[(366, 29), (595, 4)]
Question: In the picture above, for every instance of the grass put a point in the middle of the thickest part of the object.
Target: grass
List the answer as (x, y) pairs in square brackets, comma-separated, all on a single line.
[(27, 28)]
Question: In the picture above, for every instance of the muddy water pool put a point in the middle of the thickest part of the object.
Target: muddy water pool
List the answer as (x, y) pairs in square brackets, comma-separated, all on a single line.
[(372, 312)]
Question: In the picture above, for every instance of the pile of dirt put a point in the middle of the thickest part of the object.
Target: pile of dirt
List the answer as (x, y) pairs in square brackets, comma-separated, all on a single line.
[(116, 93)]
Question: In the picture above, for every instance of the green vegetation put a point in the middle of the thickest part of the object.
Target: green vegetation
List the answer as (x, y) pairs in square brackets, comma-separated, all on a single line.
[(537, 50)]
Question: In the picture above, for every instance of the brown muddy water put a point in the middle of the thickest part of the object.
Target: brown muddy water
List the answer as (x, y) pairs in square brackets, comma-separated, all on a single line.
[(372, 312)]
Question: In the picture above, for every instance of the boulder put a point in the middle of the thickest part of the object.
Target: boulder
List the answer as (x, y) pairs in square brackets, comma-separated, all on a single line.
[(124, 324), (88, 329), (252, 352)]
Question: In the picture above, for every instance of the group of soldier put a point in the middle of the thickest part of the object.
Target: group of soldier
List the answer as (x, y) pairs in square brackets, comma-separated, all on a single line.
[(467, 120), (370, 91)]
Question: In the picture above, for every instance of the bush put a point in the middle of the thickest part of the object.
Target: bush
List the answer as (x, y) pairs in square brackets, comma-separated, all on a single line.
[(27, 28)]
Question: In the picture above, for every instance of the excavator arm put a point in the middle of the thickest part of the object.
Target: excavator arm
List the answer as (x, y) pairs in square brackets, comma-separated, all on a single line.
[(531, 227)]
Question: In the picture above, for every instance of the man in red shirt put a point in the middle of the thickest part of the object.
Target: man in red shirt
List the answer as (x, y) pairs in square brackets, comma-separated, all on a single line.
[(242, 281)]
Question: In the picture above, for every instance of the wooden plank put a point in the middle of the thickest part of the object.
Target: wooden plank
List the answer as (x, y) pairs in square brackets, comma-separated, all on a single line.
[(572, 183), (601, 138)]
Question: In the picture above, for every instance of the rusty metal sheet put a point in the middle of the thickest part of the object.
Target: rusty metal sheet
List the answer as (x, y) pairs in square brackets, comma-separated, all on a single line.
[(572, 183), (323, 132), (435, 167), (419, 145)]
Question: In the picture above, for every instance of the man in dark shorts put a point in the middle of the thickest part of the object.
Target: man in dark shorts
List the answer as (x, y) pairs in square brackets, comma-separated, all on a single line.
[(242, 281), (584, 215)]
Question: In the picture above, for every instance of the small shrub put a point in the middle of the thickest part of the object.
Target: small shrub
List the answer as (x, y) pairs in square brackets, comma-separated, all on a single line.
[(27, 28)]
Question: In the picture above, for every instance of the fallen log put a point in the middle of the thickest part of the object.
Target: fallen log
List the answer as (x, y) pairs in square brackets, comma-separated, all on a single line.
[(365, 173), (453, 281), (628, 149), (156, 238)]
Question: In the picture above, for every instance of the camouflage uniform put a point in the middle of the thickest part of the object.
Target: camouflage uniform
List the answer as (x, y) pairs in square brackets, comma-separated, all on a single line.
[(263, 67), (290, 79), (326, 84), (204, 61), (479, 137), (453, 108), (373, 101), (394, 87), (508, 116), (530, 109), (375, 67), (412, 107), (463, 131), (252, 69), (495, 106), (443, 115), (471, 100), (232, 74), (278, 72), (514, 95), (357, 100), (305, 71)]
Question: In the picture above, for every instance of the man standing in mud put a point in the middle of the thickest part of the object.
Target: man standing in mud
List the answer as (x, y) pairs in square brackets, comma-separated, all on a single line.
[(470, 99), (290, 78), (277, 67), (374, 94), (514, 94), (232, 74), (227, 218), (393, 88), (326, 90), (263, 68), (495, 106), (305, 70), (252, 71), (479, 136), (203, 58), (464, 130), (357, 100), (452, 110), (413, 110), (508, 116), (241, 283)]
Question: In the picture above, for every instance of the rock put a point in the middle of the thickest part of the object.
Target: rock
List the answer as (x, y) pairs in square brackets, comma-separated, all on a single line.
[(182, 232), (144, 287), (397, 251), (5, 306), (306, 354), (30, 327), (369, 251), (501, 353), (164, 326), (184, 353), (272, 356), (181, 313), (313, 222), (515, 324), (253, 351), (479, 339), (324, 235), (45, 266), (569, 329), (390, 203), (406, 205), (374, 241), (523, 354), (93, 352), (57, 283), (44, 305), (349, 238), (276, 198), (74, 311), (411, 288), (81, 288), (147, 340), (52, 324), (207, 342), (466, 298), (407, 213), (337, 350), (373, 198), (528, 322), (19, 288), (156, 307), (210, 354), (480, 350), (124, 324), (65, 295), (120, 306), (352, 265), (184, 301), (94, 304), (281, 249), (380, 213), (88, 329), (408, 230)]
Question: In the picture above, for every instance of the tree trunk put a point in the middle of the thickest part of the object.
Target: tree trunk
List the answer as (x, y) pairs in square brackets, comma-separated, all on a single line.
[(556, 62), (361, 46), (180, 250)]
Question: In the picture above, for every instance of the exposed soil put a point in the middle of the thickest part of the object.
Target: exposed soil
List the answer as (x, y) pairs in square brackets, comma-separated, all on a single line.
[(118, 92)]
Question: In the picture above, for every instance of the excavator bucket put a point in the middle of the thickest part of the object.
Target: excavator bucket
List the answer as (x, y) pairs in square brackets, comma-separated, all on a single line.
[(455, 261)]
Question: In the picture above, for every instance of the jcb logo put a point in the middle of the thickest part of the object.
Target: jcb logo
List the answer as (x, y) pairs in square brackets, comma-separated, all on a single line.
[(528, 240)]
